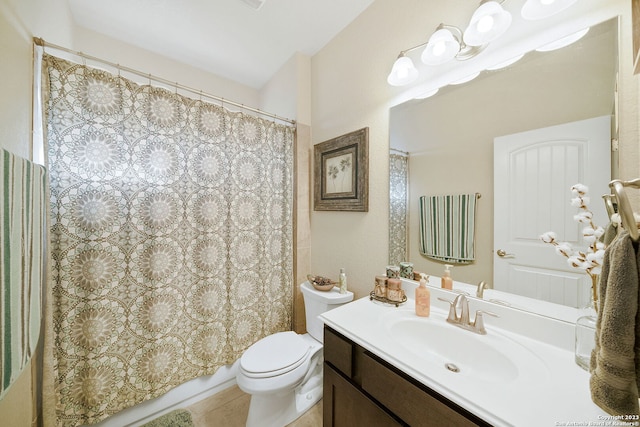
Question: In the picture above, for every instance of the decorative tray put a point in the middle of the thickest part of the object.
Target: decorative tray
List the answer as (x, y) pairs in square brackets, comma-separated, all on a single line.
[(373, 296), (321, 283)]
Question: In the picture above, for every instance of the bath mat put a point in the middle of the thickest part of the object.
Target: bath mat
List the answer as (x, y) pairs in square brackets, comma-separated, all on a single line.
[(177, 418)]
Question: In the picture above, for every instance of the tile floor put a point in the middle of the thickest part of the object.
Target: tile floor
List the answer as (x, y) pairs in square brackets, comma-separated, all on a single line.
[(229, 408)]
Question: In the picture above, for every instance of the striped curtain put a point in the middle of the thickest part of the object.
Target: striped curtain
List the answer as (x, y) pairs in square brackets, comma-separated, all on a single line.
[(447, 227), (172, 237), (22, 225)]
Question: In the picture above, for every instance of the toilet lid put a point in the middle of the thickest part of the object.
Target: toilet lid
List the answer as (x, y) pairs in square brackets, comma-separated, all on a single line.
[(274, 355)]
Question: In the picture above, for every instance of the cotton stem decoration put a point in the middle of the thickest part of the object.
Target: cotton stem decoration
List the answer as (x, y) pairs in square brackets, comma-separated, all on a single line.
[(588, 260)]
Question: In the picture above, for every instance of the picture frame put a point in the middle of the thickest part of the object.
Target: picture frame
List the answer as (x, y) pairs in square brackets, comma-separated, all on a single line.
[(341, 173)]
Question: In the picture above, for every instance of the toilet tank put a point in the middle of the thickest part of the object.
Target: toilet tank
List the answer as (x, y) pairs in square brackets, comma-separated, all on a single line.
[(317, 302)]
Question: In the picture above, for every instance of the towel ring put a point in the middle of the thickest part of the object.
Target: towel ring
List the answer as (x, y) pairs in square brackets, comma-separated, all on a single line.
[(608, 204), (624, 206)]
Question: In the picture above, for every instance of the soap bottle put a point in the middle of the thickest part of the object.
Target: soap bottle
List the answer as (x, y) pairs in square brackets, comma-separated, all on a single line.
[(423, 298), (343, 281), (447, 281)]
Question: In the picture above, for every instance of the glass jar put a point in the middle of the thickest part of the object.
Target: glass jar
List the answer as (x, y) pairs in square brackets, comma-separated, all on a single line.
[(585, 339), (586, 327)]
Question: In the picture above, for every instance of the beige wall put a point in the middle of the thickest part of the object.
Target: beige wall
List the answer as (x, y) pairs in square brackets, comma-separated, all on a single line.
[(18, 22), (350, 91)]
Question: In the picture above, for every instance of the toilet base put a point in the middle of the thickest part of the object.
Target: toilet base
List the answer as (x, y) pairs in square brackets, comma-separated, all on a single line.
[(280, 409)]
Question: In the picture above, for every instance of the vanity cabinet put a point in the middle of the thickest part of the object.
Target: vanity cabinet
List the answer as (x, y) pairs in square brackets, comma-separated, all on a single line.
[(362, 389)]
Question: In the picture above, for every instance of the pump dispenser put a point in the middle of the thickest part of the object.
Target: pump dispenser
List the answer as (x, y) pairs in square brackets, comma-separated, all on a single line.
[(447, 281), (343, 281), (423, 298)]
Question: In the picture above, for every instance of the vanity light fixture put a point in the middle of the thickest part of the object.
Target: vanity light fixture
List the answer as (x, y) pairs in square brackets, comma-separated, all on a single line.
[(444, 45), (540, 9), (489, 21)]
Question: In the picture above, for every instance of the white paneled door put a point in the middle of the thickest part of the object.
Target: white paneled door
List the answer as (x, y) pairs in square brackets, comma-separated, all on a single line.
[(533, 174)]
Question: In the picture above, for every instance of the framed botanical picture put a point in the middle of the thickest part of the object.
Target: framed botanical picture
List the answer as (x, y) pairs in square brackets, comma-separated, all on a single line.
[(341, 176)]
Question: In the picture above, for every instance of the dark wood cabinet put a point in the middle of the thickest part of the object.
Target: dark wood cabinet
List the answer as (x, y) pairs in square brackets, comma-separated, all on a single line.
[(362, 389), (345, 405)]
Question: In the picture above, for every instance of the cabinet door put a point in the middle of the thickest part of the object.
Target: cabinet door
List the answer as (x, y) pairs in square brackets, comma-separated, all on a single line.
[(408, 401), (345, 406)]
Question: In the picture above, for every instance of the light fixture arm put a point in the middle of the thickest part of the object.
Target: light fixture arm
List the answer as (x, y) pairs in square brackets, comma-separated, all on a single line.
[(439, 27), (411, 49), (466, 52)]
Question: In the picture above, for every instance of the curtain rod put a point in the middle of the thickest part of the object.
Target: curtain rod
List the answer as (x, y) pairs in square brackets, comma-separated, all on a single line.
[(406, 153), (41, 42)]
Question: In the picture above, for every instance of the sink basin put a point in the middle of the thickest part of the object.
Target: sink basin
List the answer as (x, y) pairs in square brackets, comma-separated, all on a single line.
[(489, 358)]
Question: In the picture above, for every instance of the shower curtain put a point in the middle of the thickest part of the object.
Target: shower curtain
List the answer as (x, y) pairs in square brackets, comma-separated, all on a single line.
[(171, 237), (398, 210)]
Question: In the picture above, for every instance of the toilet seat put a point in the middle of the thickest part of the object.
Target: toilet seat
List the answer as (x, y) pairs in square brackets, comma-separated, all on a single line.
[(274, 355)]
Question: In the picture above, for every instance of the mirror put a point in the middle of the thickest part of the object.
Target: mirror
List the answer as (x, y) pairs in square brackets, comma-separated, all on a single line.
[(449, 136)]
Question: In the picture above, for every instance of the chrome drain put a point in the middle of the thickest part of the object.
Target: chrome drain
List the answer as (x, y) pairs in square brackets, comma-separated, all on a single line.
[(452, 367)]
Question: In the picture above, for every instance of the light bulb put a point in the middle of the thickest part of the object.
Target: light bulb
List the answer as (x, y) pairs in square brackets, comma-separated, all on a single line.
[(403, 72), (439, 48), (485, 24)]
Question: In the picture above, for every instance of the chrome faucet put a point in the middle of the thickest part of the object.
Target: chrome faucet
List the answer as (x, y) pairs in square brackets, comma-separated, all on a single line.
[(461, 305)]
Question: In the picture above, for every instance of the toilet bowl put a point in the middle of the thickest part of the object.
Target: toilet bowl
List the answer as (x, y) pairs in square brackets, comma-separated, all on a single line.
[(283, 371)]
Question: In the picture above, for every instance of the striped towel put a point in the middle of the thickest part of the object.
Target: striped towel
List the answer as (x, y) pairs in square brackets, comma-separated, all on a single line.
[(22, 231), (447, 227)]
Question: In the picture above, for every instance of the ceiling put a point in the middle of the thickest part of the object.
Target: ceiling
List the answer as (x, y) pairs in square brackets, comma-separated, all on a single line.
[(228, 38)]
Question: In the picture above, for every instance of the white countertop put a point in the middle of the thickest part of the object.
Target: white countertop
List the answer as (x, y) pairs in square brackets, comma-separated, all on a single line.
[(558, 396)]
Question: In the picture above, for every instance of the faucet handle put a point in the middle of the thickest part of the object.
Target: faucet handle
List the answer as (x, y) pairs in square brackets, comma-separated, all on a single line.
[(453, 317), (478, 323)]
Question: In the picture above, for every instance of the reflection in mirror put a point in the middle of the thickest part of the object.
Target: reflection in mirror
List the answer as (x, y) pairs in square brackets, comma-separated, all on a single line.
[(449, 138), (398, 205)]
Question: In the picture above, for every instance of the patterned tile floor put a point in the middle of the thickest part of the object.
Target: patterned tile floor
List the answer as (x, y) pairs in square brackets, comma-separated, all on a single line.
[(229, 408)]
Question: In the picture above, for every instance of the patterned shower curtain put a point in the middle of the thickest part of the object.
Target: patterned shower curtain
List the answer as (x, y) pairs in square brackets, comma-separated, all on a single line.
[(398, 210), (172, 237)]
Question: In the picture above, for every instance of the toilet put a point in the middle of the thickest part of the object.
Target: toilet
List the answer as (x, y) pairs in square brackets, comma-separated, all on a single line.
[(283, 371)]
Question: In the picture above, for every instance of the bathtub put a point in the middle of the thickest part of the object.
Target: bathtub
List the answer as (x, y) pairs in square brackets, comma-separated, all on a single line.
[(179, 397)]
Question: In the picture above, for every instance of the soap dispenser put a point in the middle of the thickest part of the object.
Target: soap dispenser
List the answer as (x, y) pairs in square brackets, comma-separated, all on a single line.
[(447, 281), (423, 298), (343, 281)]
